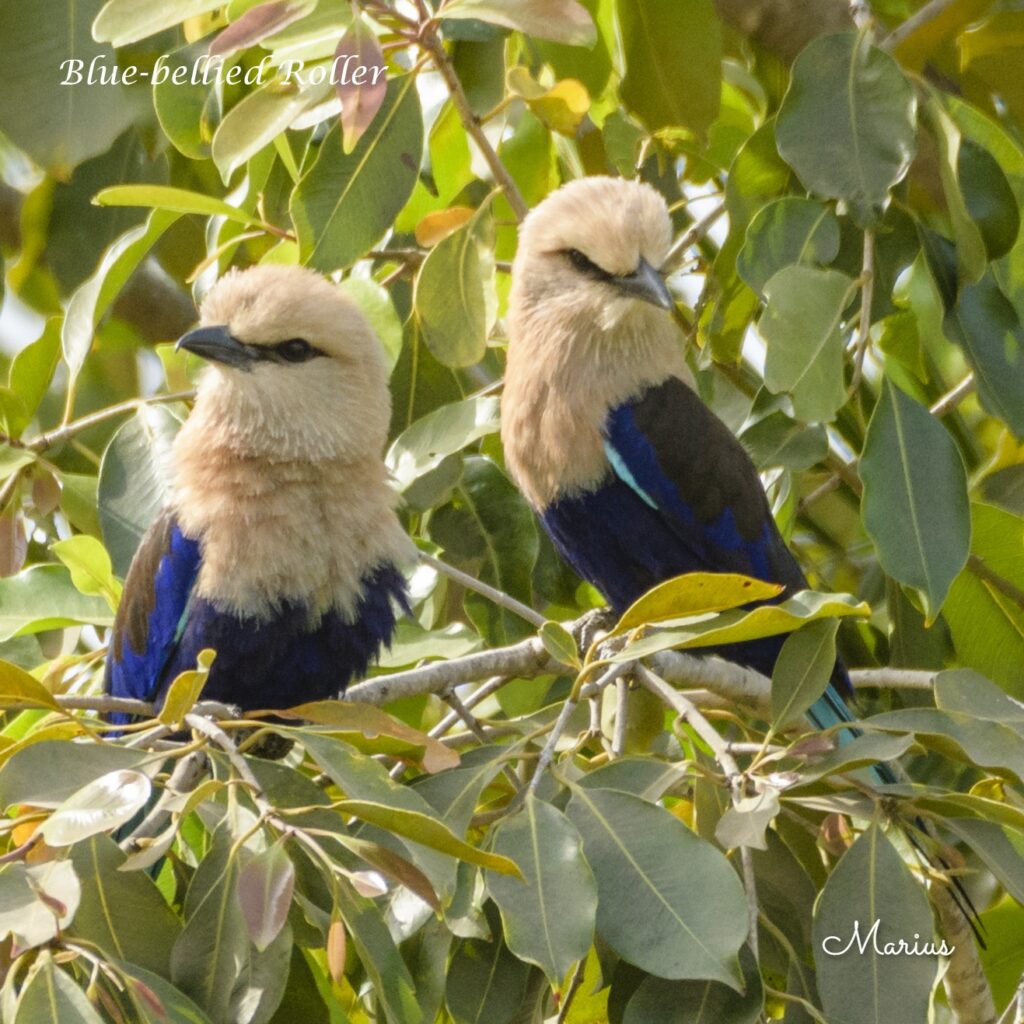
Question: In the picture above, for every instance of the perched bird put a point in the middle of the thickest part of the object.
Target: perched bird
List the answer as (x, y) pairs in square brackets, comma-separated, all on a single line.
[(280, 547), (635, 479), (633, 476)]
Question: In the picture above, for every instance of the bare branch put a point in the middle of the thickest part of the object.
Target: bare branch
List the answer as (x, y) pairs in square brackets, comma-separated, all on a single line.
[(689, 713), (433, 45), (929, 12), (498, 597), (967, 988), (867, 293), (951, 399)]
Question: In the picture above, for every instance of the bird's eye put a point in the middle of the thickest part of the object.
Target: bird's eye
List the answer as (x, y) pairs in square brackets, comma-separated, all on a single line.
[(579, 261), (295, 350)]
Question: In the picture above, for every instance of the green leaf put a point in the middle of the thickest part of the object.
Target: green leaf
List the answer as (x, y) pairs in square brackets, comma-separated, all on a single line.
[(777, 440), (989, 199), (449, 299), (122, 912), (986, 326), (376, 305), (668, 902), (93, 298), (18, 687), (135, 481), (847, 122), (995, 846), (425, 444), (738, 625), (46, 773), (421, 828), (787, 231), (563, 21), (345, 202), (454, 793), (860, 752), (695, 593), (964, 690), (915, 504), (660, 1001), (43, 597), (986, 623), (99, 806), (559, 643), (959, 736), (212, 951), (183, 107), (37, 901), (265, 887), (49, 994), (971, 256), (802, 670), (257, 118), (549, 920), (58, 125), (802, 328), (757, 175), (871, 883), (126, 21), (89, 564), (746, 821), (491, 531), (673, 54), (486, 983), (174, 200), (32, 371), (392, 982), (175, 1006)]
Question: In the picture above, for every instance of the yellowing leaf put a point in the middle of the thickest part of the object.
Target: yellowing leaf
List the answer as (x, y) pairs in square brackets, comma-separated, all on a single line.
[(695, 593), (437, 226), (185, 690), (18, 687), (426, 830), (372, 723)]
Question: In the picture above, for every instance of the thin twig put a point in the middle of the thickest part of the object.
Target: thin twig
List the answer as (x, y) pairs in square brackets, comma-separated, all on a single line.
[(818, 493), (692, 236), (929, 12), (492, 594), (185, 777), (951, 399), (867, 293), (548, 753), (570, 992), (49, 438), (478, 731), (689, 713), (621, 700), (433, 45)]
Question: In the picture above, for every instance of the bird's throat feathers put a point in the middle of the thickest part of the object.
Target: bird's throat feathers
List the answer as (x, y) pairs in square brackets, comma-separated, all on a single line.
[(565, 372), (282, 515)]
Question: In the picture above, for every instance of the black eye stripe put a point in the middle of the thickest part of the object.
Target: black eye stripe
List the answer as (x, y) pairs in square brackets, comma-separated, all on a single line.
[(587, 266)]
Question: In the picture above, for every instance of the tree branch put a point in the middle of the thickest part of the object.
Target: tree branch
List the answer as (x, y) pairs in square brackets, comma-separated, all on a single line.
[(951, 399), (688, 713), (433, 45), (929, 12), (867, 292), (967, 988)]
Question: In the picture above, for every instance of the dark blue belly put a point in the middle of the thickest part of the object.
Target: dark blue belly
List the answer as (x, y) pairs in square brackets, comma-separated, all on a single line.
[(283, 662)]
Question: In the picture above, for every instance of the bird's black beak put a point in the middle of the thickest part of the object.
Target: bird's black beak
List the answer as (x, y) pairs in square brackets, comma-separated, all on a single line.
[(646, 283), (219, 346)]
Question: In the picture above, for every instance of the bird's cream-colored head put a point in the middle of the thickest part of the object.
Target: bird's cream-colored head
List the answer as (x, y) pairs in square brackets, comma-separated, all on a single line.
[(588, 327), (594, 249), (295, 370)]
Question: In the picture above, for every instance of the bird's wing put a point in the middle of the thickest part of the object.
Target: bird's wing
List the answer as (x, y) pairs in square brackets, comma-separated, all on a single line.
[(679, 458), (153, 609)]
